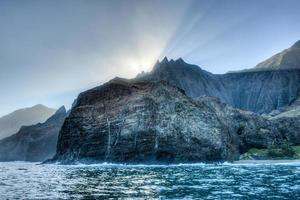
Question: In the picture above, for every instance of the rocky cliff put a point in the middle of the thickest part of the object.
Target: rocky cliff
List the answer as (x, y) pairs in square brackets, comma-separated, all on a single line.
[(262, 91), (144, 121), (256, 91), (181, 113), (33, 143)]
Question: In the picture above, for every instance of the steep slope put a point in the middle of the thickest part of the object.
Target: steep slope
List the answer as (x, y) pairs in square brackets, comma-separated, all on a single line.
[(33, 143), (256, 91), (144, 121), (191, 78), (11, 123), (262, 91), (287, 59)]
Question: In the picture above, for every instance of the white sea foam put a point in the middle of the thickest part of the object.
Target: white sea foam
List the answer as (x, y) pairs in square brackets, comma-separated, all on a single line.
[(265, 162), (200, 164)]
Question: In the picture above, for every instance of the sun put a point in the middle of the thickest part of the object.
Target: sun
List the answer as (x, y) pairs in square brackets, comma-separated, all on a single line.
[(134, 65)]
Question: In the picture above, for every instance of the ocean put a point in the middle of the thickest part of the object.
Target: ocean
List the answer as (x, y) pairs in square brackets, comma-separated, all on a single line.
[(21, 180)]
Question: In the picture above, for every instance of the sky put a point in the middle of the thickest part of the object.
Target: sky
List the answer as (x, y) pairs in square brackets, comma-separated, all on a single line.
[(52, 50)]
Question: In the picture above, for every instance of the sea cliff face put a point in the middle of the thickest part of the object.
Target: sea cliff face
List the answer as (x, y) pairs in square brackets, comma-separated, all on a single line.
[(142, 121)]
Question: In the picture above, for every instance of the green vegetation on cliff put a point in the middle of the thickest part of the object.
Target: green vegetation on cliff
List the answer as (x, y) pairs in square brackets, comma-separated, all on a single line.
[(283, 151)]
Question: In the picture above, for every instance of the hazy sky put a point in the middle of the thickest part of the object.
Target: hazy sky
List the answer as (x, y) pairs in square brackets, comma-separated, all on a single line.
[(51, 50)]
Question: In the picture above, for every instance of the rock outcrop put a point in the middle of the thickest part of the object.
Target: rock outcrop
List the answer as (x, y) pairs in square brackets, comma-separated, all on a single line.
[(144, 121), (33, 143)]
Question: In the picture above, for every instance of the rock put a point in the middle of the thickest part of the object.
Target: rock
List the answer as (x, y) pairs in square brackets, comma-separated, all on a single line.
[(262, 91), (256, 91), (33, 143), (141, 121), (290, 111), (181, 113)]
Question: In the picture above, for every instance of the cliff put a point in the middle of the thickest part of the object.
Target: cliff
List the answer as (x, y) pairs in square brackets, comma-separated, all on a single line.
[(142, 121), (181, 113), (256, 91)]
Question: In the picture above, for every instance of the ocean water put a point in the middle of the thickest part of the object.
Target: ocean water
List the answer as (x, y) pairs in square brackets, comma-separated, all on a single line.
[(19, 180)]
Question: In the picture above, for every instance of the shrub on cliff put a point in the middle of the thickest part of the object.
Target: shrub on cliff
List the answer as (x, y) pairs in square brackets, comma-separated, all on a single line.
[(284, 150)]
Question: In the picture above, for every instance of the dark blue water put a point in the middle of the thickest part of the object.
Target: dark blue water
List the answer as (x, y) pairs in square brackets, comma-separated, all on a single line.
[(198, 181)]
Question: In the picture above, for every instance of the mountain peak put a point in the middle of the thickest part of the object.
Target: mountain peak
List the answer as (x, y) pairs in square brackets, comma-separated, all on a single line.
[(159, 64), (180, 60), (287, 59), (62, 109), (296, 45), (61, 112), (165, 60), (40, 106)]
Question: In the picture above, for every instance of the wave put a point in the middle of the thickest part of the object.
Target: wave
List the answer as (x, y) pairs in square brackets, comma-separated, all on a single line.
[(143, 165), (264, 162)]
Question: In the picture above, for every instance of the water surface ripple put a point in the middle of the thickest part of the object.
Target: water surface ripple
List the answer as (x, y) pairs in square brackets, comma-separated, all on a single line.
[(197, 181)]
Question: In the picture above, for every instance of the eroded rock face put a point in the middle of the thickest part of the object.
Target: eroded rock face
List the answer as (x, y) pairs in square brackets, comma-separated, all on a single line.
[(253, 130), (125, 121), (33, 143), (262, 91), (256, 91)]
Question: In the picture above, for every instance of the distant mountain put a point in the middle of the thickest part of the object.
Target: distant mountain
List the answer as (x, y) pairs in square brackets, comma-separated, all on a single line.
[(11, 123), (35, 142), (287, 59)]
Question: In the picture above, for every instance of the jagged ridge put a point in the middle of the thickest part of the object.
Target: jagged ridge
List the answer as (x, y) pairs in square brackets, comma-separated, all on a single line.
[(256, 91)]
